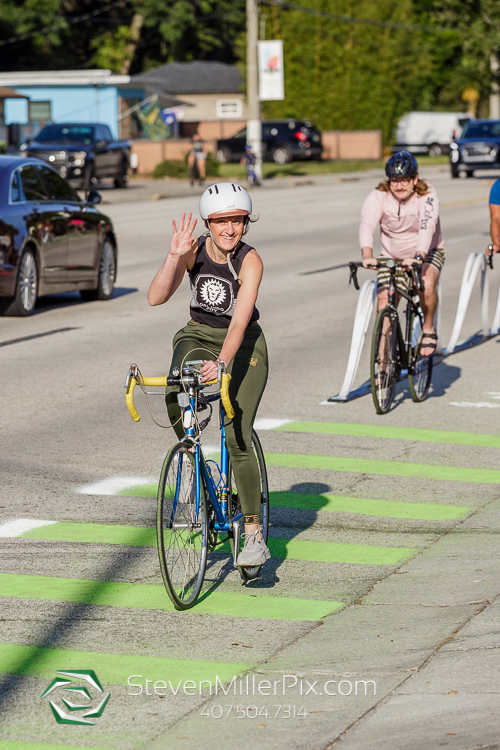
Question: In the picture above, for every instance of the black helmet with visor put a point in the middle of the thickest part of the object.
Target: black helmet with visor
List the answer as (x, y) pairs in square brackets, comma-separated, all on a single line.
[(401, 164)]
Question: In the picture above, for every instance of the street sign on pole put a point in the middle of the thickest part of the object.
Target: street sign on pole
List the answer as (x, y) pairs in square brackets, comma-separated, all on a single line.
[(271, 81)]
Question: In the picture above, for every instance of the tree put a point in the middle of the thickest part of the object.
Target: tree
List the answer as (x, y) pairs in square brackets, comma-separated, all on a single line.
[(476, 25), (353, 76)]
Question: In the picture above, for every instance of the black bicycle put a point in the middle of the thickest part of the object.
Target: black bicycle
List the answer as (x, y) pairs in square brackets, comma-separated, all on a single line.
[(392, 352)]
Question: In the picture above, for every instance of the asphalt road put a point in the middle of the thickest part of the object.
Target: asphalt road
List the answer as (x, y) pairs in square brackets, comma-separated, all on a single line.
[(358, 500)]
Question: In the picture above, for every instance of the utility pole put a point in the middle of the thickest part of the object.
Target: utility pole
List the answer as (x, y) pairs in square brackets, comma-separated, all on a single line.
[(254, 126), (495, 89)]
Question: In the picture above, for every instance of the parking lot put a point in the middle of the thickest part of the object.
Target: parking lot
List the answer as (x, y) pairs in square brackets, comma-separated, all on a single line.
[(384, 530)]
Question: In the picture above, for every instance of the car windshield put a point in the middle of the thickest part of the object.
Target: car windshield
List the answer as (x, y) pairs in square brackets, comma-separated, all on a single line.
[(481, 130), (66, 134)]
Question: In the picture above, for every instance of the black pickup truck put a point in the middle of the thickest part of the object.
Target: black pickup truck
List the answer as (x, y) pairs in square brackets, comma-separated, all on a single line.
[(82, 153)]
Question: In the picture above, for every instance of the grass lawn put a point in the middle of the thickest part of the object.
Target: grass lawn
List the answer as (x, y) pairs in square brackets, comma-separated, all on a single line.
[(304, 168)]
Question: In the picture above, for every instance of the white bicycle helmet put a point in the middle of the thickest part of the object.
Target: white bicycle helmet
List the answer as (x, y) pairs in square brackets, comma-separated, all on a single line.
[(225, 199)]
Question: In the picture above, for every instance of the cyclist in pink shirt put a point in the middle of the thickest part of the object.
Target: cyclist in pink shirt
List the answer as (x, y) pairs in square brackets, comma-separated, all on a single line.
[(407, 210)]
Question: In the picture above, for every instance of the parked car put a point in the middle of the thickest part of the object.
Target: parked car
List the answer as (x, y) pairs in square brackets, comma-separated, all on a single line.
[(429, 132), (282, 141), (477, 148), (50, 240), (82, 153)]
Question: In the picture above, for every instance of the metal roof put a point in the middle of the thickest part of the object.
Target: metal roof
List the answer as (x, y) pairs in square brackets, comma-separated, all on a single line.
[(196, 77), (62, 78)]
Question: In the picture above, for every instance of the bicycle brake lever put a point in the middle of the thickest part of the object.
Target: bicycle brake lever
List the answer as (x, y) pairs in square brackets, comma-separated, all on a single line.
[(489, 256), (132, 373), (353, 277)]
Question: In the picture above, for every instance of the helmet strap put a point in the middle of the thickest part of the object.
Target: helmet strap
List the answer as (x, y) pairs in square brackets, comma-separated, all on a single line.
[(233, 251)]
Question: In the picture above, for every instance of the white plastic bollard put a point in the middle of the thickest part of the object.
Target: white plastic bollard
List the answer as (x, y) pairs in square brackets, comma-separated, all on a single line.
[(366, 302), (495, 326), (475, 263)]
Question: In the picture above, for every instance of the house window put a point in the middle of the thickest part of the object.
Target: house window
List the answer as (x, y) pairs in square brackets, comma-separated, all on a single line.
[(228, 108), (39, 111)]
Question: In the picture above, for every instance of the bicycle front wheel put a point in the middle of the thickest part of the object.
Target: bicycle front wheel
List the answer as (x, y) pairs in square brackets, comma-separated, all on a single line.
[(248, 574), (384, 360), (420, 370), (181, 527)]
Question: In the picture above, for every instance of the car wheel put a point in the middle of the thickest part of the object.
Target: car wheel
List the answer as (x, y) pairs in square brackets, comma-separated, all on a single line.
[(464, 173), (24, 301), (122, 180), (223, 155), (282, 155), (107, 274), (435, 149)]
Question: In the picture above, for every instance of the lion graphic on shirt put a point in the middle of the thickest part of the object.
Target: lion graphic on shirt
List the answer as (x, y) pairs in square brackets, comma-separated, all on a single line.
[(213, 292)]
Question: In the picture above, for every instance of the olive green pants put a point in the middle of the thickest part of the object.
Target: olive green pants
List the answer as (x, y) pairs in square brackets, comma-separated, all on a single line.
[(248, 372)]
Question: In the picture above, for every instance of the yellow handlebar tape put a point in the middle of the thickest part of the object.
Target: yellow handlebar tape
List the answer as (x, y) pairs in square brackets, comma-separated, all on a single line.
[(162, 381), (224, 394), (129, 396)]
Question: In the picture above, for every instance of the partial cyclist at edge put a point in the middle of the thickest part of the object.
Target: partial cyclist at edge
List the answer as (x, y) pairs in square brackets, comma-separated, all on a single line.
[(407, 209), (225, 274)]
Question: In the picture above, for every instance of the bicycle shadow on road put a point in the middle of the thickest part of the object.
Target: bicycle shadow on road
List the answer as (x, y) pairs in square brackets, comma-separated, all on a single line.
[(293, 510), (443, 377)]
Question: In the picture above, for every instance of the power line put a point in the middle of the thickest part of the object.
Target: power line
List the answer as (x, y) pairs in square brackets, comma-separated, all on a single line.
[(349, 19), (64, 22)]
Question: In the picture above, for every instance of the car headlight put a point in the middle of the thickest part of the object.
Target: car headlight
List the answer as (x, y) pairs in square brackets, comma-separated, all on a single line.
[(78, 158)]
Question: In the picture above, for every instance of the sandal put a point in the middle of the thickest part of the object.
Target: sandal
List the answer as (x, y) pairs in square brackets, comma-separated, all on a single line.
[(431, 345)]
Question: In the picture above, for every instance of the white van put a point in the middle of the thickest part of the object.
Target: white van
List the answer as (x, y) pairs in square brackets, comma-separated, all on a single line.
[(429, 132)]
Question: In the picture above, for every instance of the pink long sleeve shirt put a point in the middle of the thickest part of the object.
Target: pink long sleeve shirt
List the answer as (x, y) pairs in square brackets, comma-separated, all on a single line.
[(406, 228)]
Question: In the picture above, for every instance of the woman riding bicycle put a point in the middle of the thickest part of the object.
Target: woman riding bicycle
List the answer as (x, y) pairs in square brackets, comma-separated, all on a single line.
[(407, 210), (225, 275)]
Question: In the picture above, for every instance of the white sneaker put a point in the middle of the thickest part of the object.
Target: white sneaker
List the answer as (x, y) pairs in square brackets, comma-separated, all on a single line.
[(254, 552)]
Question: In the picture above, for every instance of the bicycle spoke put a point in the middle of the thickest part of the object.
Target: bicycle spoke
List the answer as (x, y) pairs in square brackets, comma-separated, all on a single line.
[(181, 527)]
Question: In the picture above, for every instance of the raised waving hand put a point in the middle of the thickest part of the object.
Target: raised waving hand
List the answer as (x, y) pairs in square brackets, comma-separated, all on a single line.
[(183, 241)]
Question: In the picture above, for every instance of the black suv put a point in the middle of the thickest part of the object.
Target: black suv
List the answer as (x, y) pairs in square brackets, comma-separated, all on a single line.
[(282, 141), (477, 148)]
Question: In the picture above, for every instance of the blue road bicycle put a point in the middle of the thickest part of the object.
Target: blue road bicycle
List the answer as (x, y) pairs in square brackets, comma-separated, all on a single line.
[(198, 505)]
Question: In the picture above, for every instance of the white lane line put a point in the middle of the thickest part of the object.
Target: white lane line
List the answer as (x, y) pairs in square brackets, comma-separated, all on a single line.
[(270, 424), (112, 485), (20, 526), (478, 405)]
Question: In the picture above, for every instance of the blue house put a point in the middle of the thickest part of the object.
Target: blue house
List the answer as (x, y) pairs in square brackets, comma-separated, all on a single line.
[(67, 96)]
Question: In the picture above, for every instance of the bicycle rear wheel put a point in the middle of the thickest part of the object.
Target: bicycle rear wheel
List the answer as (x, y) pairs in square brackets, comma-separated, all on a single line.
[(384, 360), (181, 527), (420, 370), (248, 574)]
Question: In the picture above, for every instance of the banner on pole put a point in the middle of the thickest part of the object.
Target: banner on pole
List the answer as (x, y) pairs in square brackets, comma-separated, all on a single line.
[(271, 82)]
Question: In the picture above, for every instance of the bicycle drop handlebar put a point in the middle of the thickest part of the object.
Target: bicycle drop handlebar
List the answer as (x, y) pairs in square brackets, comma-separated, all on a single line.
[(414, 270), (187, 379)]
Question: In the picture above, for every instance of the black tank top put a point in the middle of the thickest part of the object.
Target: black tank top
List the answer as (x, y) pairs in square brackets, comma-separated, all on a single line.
[(214, 287)]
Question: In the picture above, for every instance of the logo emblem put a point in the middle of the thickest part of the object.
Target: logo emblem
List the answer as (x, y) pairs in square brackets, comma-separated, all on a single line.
[(76, 697), (214, 294)]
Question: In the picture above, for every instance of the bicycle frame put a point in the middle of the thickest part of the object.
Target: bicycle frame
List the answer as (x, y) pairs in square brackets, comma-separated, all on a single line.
[(223, 520), (405, 343)]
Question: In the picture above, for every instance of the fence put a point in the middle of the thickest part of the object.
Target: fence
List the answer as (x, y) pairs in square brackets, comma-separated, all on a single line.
[(477, 264)]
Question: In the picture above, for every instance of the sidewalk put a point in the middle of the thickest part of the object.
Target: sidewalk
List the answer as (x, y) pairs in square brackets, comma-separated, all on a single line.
[(426, 636)]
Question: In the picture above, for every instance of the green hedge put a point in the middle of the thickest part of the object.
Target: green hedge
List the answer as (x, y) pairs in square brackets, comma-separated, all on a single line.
[(180, 169)]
